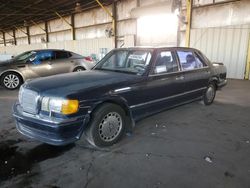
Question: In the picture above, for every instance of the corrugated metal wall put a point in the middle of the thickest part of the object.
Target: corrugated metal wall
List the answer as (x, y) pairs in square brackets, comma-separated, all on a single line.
[(84, 47), (222, 33), (227, 44), (90, 34)]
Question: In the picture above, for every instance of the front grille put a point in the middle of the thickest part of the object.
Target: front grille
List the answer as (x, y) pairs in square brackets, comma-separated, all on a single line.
[(28, 100)]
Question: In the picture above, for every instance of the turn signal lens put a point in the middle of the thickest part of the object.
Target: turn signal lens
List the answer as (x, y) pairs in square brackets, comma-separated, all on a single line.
[(69, 107)]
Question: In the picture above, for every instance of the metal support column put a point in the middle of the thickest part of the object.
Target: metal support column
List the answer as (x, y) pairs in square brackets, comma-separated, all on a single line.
[(4, 40), (112, 17), (70, 24), (14, 36), (38, 25), (189, 21), (247, 70), (28, 33), (73, 31), (114, 12), (46, 31)]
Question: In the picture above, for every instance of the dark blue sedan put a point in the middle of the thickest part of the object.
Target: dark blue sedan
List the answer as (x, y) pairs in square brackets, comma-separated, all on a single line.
[(126, 85)]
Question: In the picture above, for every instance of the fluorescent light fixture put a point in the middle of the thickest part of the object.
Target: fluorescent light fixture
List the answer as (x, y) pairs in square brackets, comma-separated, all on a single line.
[(157, 25)]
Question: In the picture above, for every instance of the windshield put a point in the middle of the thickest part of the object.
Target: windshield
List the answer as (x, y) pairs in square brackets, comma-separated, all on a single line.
[(128, 61), (25, 56)]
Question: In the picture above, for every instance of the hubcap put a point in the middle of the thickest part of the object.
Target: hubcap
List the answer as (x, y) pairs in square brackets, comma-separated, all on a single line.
[(78, 70), (110, 126), (11, 81), (210, 93)]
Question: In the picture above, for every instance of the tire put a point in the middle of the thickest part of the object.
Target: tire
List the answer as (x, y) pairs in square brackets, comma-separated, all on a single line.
[(79, 69), (209, 95), (107, 125), (11, 80)]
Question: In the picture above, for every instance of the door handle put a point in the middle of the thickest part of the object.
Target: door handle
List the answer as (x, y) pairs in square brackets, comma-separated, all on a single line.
[(21, 66), (179, 78), (163, 79), (49, 62)]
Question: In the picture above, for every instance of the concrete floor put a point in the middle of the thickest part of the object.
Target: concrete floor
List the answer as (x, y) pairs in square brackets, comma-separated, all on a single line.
[(189, 146)]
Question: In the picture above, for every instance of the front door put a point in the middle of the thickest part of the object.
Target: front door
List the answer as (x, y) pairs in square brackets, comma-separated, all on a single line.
[(40, 64)]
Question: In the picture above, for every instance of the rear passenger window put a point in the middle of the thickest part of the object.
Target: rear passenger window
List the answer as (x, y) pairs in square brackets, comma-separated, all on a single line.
[(44, 56), (189, 61), (165, 63), (61, 55)]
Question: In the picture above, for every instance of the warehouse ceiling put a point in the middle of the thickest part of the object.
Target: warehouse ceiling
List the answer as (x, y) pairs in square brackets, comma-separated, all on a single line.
[(19, 13)]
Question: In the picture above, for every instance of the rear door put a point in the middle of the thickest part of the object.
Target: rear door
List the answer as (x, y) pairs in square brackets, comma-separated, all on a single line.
[(62, 62), (164, 85), (195, 72)]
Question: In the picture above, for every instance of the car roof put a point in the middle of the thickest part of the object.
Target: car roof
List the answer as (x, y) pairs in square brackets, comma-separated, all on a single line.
[(51, 50), (41, 50), (156, 48)]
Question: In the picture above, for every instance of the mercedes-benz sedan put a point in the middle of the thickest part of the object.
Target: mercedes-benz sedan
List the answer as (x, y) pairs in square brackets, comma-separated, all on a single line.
[(126, 85)]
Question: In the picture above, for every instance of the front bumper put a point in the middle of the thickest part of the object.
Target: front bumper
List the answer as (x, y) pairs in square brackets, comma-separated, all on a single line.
[(222, 84), (53, 132)]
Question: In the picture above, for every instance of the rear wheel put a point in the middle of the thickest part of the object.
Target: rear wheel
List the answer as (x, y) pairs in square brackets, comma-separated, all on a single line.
[(107, 125), (11, 80), (209, 94), (79, 69)]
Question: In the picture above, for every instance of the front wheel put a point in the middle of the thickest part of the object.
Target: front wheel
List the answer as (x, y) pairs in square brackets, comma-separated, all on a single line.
[(107, 125), (11, 80), (209, 94)]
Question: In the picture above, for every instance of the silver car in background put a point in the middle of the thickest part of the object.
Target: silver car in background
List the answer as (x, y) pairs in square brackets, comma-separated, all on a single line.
[(41, 63)]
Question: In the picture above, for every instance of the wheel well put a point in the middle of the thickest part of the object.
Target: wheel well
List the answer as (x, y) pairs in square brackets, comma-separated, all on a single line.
[(79, 67), (22, 80), (123, 106), (215, 82)]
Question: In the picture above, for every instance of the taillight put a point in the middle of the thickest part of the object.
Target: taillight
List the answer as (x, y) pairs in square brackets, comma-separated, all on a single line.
[(88, 58)]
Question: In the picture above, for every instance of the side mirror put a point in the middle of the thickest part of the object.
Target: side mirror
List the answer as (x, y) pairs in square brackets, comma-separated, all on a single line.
[(31, 59), (217, 63)]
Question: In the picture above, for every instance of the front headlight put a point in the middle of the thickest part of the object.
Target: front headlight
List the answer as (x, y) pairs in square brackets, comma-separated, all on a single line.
[(57, 105), (20, 95)]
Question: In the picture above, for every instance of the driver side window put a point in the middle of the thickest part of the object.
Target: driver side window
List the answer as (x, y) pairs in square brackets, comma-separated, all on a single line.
[(42, 56)]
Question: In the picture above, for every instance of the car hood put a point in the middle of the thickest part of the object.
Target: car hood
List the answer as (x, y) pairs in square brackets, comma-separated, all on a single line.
[(65, 84)]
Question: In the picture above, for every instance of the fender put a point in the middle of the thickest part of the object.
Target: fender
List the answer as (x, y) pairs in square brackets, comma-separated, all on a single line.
[(213, 79), (13, 70)]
